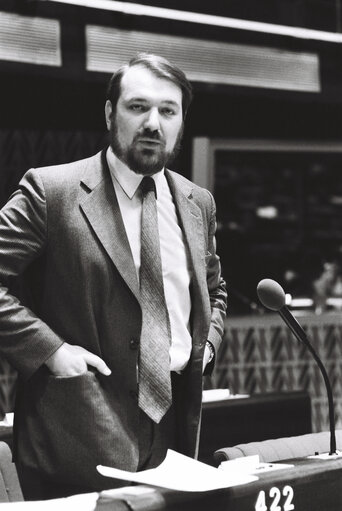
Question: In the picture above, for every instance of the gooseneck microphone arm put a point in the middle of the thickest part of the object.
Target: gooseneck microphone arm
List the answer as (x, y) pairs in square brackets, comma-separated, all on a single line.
[(297, 330), (272, 296)]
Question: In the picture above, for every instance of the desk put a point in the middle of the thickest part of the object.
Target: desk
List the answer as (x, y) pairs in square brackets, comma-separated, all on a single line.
[(316, 486), (259, 417)]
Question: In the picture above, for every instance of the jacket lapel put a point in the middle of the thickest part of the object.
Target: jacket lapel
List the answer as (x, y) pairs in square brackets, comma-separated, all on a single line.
[(192, 224), (100, 205)]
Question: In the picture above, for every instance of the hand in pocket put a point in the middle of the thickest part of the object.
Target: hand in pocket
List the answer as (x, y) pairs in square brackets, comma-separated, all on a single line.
[(70, 360)]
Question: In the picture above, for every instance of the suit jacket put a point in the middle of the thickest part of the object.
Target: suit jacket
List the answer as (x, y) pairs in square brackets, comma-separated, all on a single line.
[(64, 231)]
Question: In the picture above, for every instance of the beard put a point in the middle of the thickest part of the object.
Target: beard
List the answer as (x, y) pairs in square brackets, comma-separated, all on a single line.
[(145, 161)]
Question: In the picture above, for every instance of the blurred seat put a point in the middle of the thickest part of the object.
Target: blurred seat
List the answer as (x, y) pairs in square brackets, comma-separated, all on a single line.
[(10, 490), (281, 448)]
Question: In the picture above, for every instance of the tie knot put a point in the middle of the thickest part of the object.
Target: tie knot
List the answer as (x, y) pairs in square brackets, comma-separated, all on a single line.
[(148, 185)]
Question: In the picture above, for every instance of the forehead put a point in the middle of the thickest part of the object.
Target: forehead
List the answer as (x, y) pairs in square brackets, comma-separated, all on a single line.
[(139, 82)]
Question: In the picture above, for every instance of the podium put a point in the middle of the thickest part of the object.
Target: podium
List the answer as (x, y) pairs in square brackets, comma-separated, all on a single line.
[(310, 485)]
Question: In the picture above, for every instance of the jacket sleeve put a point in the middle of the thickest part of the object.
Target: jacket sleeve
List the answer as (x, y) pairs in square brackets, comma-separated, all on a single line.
[(216, 288), (25, 340)]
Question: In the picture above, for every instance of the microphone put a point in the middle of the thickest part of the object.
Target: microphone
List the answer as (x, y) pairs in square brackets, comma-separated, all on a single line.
[(272, 296)]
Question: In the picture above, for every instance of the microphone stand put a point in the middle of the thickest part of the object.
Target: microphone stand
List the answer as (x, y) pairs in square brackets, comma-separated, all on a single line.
[(299, 333)]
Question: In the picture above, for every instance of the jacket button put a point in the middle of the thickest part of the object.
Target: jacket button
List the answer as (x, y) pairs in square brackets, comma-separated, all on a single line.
[(134, 344)]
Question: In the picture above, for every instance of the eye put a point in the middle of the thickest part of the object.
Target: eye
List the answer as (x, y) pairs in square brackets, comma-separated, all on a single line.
[(168, 112), (137, 107)]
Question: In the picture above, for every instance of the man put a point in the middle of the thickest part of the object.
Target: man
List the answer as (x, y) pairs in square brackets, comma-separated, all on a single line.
[(127, 303)]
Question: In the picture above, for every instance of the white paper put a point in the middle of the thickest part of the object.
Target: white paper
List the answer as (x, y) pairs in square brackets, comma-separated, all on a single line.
[(85, 501), (212, 395), (249, 465), (269, 467), (326, 456), (8, 420), (245, 464), (180, 473), (128, 491)]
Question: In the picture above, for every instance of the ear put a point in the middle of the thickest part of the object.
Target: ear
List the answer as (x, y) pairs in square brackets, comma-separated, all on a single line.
[(108, 113)]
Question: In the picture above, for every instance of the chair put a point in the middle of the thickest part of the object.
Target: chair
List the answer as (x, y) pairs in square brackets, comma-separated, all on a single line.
[(10, 490), (281, 448)]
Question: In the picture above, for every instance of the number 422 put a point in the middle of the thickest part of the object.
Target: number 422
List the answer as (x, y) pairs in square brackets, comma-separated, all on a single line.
[(275, 494)]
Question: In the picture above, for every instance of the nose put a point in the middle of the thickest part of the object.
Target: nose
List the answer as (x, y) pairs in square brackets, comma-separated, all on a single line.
[(152, 121)]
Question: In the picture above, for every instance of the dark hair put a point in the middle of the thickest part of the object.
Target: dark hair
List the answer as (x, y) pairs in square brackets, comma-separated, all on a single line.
[(160, 67)]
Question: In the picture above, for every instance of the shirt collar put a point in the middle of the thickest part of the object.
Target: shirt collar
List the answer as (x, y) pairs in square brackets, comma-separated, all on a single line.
[(129, 180)]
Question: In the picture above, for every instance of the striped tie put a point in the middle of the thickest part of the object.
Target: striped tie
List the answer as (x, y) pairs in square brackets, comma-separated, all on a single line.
[(155, 396)]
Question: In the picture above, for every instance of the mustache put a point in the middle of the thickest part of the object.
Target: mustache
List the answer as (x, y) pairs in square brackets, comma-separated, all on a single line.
[(153, 135)]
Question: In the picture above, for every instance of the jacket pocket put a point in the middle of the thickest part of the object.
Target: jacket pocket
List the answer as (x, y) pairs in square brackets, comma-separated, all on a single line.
[(75, 427)]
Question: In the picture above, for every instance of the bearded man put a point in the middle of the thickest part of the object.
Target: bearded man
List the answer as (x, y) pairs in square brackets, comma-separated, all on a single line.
[(127, 304)]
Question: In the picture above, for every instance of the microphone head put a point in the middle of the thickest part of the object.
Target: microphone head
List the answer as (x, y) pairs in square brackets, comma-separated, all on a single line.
[(271, 294)]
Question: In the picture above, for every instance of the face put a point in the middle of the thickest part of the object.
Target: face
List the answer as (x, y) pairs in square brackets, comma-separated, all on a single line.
[(146, 129)]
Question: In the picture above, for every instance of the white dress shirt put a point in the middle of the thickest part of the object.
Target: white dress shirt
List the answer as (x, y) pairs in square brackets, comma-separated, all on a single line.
[(176, 274)]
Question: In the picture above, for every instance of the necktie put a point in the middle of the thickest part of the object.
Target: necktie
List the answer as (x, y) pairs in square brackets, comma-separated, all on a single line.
[(154, 365)]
